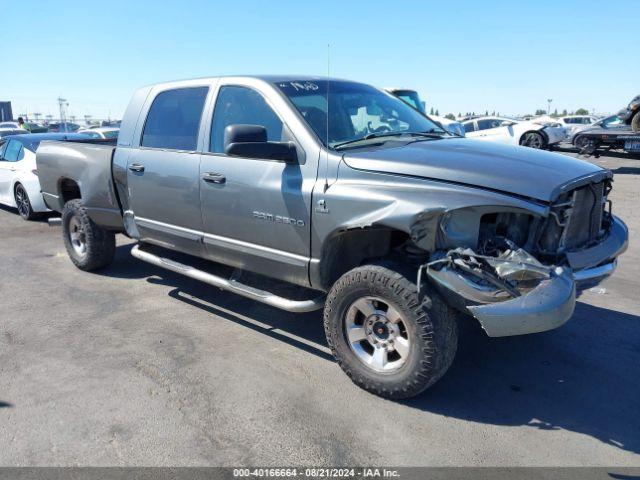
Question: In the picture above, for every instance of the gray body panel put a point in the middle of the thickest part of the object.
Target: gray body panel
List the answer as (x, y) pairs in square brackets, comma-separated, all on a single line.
[(89, 166), (287, 220)]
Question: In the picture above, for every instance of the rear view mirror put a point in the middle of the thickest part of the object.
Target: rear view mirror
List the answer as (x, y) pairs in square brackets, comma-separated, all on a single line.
[(250, 141)]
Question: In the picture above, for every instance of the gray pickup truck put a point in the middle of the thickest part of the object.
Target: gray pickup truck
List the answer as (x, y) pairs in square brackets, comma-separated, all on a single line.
[(390, 224)]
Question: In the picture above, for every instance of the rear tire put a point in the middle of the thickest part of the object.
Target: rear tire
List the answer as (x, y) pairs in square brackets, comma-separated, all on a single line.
[(89, 246), (374, 308), (23, 203), (635, 122)]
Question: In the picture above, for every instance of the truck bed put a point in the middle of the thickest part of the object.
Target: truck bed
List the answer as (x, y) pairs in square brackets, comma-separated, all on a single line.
[(80, 169)]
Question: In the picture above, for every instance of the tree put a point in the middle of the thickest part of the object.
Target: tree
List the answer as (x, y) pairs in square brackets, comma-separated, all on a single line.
[(459, 114), (564, 112), (486, 113), (437, 113), (450, 116), (540, 112), (555, 113), (431, 112), (582, 111)]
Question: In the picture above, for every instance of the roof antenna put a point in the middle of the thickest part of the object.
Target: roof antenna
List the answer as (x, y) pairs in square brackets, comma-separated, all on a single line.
[(326, 165)]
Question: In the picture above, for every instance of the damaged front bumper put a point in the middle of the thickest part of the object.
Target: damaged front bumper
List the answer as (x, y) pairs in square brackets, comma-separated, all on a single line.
[(471, 282)]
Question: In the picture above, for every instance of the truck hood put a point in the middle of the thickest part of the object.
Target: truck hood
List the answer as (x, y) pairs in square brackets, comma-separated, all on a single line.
[(517, 170)]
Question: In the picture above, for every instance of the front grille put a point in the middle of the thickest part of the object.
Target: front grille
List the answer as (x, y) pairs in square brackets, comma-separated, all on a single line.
[(584, 221), (577, 219)]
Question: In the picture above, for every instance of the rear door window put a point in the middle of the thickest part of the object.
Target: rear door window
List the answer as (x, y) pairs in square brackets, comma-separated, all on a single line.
[(13, 152), (173, 121), (469, 127)]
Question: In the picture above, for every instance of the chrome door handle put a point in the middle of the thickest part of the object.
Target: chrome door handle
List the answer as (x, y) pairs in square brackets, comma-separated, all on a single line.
[(136, 167), (213, 177)]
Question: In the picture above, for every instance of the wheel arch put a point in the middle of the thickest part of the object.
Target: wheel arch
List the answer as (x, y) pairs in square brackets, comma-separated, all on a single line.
[(68, 189), (348, 248)]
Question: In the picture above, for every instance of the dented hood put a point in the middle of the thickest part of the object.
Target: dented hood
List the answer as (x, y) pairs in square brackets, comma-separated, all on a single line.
[(517, 170)]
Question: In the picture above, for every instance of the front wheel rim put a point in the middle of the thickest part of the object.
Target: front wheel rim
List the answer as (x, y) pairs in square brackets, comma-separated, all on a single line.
[(377, 333), (533, 140), (22, 202), (77, 236)]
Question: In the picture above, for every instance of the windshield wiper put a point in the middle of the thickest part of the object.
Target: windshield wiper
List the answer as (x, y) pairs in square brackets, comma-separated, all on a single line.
[(430, 134)]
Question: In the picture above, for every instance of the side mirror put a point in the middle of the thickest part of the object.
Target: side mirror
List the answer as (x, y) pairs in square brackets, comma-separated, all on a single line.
[(250, 141)]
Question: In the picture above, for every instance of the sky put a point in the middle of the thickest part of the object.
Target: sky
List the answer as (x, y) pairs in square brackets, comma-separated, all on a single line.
[(461, 56)]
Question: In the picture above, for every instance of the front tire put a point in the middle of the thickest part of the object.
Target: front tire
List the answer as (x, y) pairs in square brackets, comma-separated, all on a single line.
[(533, 140), (23, 203), (89, 246), (384, 338), (581, 142), (635, 122)]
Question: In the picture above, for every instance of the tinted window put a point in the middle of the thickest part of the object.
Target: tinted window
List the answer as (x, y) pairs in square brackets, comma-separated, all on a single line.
[(241, 105), (469, 127), (13, 151), (488, 123), (174, 119)]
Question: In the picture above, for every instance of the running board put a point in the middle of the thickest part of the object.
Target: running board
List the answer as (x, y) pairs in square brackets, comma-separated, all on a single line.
[(232, 285)]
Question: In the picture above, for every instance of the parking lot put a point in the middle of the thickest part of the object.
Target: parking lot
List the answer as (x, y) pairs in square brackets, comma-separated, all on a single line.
[(140, 366)]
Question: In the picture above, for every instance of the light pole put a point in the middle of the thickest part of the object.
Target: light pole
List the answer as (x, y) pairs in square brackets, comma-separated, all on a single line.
[(549, 100), (63, 104)]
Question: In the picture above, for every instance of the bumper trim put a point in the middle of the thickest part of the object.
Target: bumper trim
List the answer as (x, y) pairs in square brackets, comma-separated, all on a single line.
[(546, 307), (595, 273)]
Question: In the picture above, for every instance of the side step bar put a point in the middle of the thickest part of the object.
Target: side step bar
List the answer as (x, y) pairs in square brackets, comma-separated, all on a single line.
[(232, 285)]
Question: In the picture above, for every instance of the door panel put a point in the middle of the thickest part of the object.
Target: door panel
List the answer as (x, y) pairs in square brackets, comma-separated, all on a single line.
[(165, 198), (258, 217), (163, 174), (7, 171)]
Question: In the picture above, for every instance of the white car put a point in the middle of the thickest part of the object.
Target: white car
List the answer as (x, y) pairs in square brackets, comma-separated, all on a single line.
[(101, 132), (514, 132), (19, 184), (576, 123), (13, 125)]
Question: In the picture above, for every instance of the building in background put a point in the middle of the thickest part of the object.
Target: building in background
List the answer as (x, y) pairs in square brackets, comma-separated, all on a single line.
[(5, 112)]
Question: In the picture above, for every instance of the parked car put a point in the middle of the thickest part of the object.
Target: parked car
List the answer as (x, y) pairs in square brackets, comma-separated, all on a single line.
[(12, 125), (609, 123), (102, 132), (607, 134), (11, 131), (63, 127), (37, 128), (631, 116), (514, 132), (19, 184), (364, 199), (412, 98), (575, 123)]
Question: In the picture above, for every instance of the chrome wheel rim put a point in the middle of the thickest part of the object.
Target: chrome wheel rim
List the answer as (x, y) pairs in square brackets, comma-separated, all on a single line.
[(532, 140), (77, 236), (377, 333), (22, 201)]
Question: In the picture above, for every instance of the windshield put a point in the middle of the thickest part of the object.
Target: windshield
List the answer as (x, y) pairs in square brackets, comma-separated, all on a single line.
[(355, 111)]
